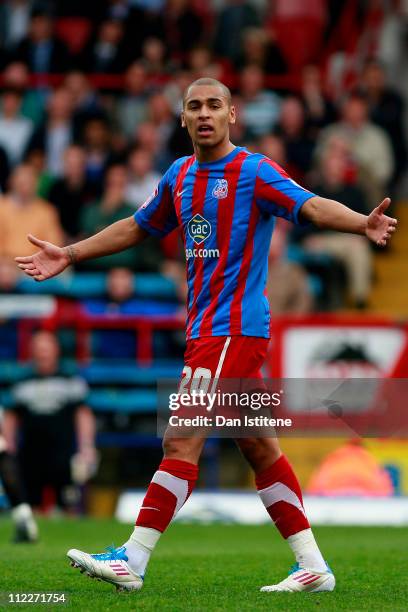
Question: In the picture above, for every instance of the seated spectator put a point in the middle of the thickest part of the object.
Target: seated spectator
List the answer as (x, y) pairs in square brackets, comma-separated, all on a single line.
[(107, 53), (386, 109), (201, 63), (183, 27), (45, 180), (57, 132), (85, 100), (370, 145), (40, 50), (113, 207), (260, 108), (154, 59), (71, 192), (147, 137), (16, 76), (142, 179), (50, 428), (14, 23), (96, 141), (131, 106), (259, 47), (160, 114), (235, 16), (287, 284), (319, 110), (352, 250), (273, 146), (293, 130), (15, 130), (22, 213)]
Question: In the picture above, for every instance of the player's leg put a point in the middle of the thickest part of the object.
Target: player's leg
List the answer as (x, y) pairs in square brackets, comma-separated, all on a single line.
[(25, 526), (281, 495), (169, 489)]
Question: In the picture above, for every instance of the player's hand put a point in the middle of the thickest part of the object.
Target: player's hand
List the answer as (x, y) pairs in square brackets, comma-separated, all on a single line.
[(49, 261), (380, 227)]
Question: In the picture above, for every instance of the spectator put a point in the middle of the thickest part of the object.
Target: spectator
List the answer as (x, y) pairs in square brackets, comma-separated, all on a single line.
[(287, 285), (386, 109), (113, 207), (55, 427), (292, 129), (160, 114), (21, 212), (106, 54), (142, 180), (234, 17), (259, 47), (85, 100), (15, 130), (14, 22), (154, 59), (319, 110), (96, 140), (147, 137), (36, 159), (183, 27), (273, 146), (71, 192), (260, 107), (16, 76), (57, 132), (201, 63), (40, 50), (131, 107), (370, 145), (353, 251)]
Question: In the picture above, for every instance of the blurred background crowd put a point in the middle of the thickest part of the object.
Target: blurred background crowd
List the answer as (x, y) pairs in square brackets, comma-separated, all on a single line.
[(91, 94)]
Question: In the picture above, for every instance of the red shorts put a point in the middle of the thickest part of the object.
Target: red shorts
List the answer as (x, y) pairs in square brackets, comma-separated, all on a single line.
[(227, 356)]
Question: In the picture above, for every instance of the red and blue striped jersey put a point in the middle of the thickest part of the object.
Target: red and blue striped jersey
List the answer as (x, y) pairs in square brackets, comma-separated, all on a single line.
[(226, 210)]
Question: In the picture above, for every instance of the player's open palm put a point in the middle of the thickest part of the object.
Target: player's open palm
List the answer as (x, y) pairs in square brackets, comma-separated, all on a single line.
[(49, 261), (380, 227)]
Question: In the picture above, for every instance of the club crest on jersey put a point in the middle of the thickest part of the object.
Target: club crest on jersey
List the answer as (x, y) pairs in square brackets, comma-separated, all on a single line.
[(220, 190), (199, 229)]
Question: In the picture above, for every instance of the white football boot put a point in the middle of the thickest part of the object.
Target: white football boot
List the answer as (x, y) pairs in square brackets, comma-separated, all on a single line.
[(300, 579), (111, 567)]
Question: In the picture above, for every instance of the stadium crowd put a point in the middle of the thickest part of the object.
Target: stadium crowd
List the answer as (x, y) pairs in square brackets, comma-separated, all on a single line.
[(77, 153)]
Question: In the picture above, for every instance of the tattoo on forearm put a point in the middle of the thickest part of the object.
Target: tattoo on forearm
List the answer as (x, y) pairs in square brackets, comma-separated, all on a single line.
[(71, 254)]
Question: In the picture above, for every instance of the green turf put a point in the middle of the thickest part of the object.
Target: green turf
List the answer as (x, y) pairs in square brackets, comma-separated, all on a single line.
[(210, 568)]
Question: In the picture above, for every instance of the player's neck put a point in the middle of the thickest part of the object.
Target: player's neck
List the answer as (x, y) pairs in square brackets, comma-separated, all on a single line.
[(212, 154)]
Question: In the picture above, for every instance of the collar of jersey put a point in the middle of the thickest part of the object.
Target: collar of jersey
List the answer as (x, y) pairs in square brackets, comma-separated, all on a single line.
[(222, 160)]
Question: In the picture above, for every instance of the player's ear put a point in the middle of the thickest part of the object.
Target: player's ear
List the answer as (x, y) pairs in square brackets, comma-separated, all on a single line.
[(183, 120), (232, 115)]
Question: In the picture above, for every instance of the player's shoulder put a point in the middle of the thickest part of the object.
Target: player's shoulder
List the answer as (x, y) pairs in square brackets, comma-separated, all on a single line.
[(177, 165), (256, 163)]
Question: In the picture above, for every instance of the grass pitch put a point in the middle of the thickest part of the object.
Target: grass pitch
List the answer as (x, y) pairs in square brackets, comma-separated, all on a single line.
[(217, 567)]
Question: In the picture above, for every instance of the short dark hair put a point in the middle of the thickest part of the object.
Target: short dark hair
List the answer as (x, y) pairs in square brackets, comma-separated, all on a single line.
[(208, 81)]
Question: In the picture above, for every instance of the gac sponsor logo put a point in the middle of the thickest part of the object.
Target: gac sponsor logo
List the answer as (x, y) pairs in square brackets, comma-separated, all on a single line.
[(199, 229), (202, 253)]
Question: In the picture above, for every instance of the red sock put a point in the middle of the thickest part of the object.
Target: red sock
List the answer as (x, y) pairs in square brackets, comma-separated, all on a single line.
[(169, 489), (280, 493)]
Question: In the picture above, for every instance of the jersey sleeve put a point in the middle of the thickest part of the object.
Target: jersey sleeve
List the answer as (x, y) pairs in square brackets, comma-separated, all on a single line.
[(277, 194), (158, 215)]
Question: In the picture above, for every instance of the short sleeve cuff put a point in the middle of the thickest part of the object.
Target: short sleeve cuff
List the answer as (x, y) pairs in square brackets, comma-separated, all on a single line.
[(300, 201)]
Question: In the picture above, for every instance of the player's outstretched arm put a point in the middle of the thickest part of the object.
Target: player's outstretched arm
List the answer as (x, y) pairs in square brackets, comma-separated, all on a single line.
[(51, 260), (329, 214)]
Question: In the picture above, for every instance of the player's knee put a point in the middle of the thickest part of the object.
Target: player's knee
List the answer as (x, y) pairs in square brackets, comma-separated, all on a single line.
[(182, 448), (259, 452)]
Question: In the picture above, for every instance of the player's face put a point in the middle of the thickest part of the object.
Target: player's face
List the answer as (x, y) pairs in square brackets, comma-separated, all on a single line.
[(207, 115)]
